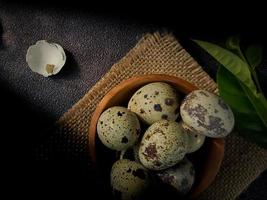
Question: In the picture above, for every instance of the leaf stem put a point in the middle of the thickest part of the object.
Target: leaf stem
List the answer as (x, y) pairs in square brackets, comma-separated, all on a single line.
[(240, 53), (260, 99), (252, 70), (255, 78)]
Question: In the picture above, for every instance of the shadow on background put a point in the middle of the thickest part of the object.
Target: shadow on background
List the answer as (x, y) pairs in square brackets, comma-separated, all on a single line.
[(1, 35), (21, 132), (70, 70), (57, 168), (190, 18), (37, 158)]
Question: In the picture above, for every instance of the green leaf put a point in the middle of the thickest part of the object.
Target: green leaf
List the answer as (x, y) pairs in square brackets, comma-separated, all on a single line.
[(247, 120), (233, 43), (254, 55), (259, 102), (232, 62)]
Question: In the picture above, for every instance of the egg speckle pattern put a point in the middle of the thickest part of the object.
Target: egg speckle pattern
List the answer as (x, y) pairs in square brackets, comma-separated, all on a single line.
[(129, 179), (155, 101), (181, 176), (163, 145), (118, 128), (195, 140), (206, 113), (152, 159)]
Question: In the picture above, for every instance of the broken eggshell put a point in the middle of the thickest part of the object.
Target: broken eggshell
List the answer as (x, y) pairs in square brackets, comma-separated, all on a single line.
[(45, 58)]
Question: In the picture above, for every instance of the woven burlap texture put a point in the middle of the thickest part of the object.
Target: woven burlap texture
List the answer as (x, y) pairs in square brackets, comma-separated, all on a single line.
[(161, 53)]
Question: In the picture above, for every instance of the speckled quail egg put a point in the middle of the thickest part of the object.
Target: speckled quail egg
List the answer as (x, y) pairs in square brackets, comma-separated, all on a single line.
[(155, 101), (129, 179), (45, 58), (163, 145), (180, 176), (118, 128), (195, 140), (207, 114)]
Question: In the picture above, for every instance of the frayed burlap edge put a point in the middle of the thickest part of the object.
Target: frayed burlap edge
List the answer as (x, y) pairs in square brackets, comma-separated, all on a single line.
[(160, 53)]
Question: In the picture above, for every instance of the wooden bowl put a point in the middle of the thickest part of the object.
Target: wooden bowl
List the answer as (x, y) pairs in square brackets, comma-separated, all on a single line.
[(207, 160)]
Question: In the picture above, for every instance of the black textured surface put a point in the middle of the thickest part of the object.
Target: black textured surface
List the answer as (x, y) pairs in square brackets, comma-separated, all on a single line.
[(92, 45), (93, 40)]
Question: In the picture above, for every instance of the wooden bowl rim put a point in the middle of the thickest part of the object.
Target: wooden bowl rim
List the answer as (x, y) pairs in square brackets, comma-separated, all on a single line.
[(219, 142)]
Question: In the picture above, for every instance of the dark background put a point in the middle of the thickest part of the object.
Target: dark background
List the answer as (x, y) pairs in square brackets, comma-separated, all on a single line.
[(95, 35)]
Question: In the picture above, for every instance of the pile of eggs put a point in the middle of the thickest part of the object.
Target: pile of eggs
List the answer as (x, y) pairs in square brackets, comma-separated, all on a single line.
[(175, 127)]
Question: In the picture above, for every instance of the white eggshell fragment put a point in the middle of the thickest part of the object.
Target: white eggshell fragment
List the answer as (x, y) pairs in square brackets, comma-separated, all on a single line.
[(195, 140), (155, 101), (129, 179), (45, 58), (207, 113), (118, 128), (163, 145), (181, 176)]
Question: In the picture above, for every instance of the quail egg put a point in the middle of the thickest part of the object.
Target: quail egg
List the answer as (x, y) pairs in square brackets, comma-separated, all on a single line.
[(45, 58), (163, 145), (195, 140), (118, 128), (207, 114), (129, 180), (155, 101), (181, 176)]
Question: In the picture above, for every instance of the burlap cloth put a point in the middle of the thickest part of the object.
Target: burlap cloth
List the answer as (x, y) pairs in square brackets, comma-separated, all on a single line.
[(162, 54)]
